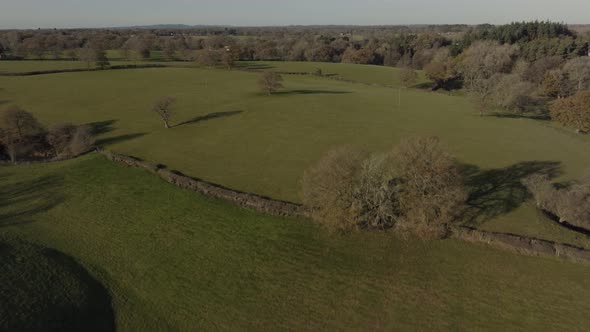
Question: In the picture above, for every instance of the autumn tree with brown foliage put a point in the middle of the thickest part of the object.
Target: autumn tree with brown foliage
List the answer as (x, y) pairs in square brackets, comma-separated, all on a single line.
[(417, 187), (270, 82), (569, 204), (163, 107), (573, 111), (433, 191), (68, 140)]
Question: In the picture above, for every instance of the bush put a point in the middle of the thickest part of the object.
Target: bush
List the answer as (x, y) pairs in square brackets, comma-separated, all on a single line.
[(59, 137), (573, 111), (571, 204), (68, 140), (416, 187), (82, 140), (433, 190), (329, 189)]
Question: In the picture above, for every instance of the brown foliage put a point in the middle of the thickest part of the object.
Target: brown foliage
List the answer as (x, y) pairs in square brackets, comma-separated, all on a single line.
[(433, 191), (570, 204), (68, 140), (416, 187), (573, 111)]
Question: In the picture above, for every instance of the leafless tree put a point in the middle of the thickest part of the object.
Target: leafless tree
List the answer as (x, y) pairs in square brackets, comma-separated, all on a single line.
[(163, 107), (18, 131), (270, 82)]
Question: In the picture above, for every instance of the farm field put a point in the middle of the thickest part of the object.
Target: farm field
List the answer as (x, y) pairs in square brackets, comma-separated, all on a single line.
[(227, 132), (175, 260)]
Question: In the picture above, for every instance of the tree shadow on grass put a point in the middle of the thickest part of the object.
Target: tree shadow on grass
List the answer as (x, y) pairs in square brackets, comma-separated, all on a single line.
[(208, 117), (47, 290), (253, 66), (118, 139), (101, 127), (499, 191), (542, 116), (311, 92), (22, 200)]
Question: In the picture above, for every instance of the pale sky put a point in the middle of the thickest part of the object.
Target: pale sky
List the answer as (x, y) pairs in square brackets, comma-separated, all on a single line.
[(108, 13)]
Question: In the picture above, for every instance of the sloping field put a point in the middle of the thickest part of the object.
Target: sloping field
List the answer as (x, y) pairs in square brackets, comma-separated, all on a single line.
[(227, 132), (174, 260)]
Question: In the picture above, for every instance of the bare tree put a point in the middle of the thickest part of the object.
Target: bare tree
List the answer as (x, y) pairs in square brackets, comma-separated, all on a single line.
[(87, 55), (18, 131), (578, 70), (68, 140), (270, 82), (163, 107)]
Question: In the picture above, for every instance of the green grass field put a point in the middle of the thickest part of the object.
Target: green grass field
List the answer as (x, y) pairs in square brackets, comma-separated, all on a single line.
[(229, 133), (368, 74), (175, 260)]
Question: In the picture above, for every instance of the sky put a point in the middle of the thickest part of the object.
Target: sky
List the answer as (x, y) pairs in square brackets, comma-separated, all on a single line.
[(110, 13)]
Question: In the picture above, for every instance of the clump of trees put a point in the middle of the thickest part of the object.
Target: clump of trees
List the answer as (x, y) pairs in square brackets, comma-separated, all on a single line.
[(270, 82), (573, 111), (570, 204), (416, 187), (23, 137)]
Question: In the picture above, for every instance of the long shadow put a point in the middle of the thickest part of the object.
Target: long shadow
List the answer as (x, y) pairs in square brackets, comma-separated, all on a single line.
[(253, 66), (312, 92), (541, 116), (101, 127), (2, 102), (118, 139), (36, 285), (22, 200), (208, 117), (498, 191)]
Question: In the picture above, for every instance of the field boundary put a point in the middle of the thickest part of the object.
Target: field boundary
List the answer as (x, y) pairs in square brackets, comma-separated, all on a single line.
[(256, 202), (525, 245), (521, 244), (77, 70)]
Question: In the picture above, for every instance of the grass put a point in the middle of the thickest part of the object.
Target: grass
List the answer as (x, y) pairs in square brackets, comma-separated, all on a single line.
[(175, 260), (368, 74), (228, 132), (44, 290)]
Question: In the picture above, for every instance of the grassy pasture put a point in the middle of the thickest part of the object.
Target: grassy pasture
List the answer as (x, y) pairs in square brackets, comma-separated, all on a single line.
[(368, 74), (228, 132), (175, 260)]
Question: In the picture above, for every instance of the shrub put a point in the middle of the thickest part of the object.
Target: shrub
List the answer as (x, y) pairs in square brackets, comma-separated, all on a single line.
[(329, 189), (416, 187), (68, 140), (571, 204), (433, 191), (573, 111), (59, 137), (82, 140)]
